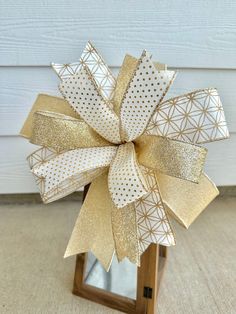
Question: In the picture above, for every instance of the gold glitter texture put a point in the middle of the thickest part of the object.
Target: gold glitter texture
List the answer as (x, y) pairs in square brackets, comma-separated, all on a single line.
[(174, 158), (108, 213), (63, 132), (47, 103), (93, 228), (124, 226)]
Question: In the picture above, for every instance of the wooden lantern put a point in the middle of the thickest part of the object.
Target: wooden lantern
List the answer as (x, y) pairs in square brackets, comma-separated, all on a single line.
[(148, 281)]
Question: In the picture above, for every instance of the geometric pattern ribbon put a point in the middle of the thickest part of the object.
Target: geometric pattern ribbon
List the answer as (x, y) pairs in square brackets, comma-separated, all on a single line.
[(104, 79), (152, 220), (136, 149), (196, 117)]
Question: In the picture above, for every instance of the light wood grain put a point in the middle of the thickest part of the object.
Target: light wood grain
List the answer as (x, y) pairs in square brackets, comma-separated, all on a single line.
[(34, 278), (19, 87), (197, 33)]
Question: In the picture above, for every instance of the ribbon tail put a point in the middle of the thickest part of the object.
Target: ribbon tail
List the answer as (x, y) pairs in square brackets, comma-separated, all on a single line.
[(152, 220), (124, 226), (185, 200), (93, 228)]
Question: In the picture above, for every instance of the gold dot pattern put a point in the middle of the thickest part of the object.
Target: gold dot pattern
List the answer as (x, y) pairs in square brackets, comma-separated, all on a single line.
[(88, 86), (38, 157), (71, 184), (83, 96), (74, 162), (125, 180), (67, 186), (103, 76), (152, 221), (145, 91), (196, 117)]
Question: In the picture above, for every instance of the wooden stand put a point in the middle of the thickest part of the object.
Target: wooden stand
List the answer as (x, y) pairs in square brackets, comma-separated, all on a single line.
[(148, 282)]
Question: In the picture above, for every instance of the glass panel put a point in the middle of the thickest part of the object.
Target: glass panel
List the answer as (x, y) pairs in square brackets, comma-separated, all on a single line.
[(121, 278)]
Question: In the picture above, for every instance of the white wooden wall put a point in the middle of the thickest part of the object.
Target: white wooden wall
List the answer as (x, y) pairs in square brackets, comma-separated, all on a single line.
[(197, 37)]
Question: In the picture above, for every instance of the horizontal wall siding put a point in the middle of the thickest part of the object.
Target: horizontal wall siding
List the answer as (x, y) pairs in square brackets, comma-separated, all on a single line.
[(183, 33), (197, 38), (14, 171)]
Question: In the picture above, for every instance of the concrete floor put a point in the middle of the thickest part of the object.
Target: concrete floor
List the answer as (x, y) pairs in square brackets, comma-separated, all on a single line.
[(200, 275)]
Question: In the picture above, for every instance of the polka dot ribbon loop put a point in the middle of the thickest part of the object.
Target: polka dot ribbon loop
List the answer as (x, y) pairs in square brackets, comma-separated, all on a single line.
[(139, 152), (73, 169), (145, 91), (81, 93)]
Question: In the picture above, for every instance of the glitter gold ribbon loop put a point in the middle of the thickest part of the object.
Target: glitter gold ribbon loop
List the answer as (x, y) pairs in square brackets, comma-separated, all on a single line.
[(47, 103), (136, 150), (61, 132), (174, 158)]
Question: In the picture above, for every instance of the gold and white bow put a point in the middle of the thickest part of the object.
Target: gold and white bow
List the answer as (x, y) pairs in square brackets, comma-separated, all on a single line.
[(138, 152)]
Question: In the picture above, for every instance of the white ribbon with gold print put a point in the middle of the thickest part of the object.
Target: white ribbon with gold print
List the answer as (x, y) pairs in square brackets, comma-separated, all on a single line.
[(126, 117)]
